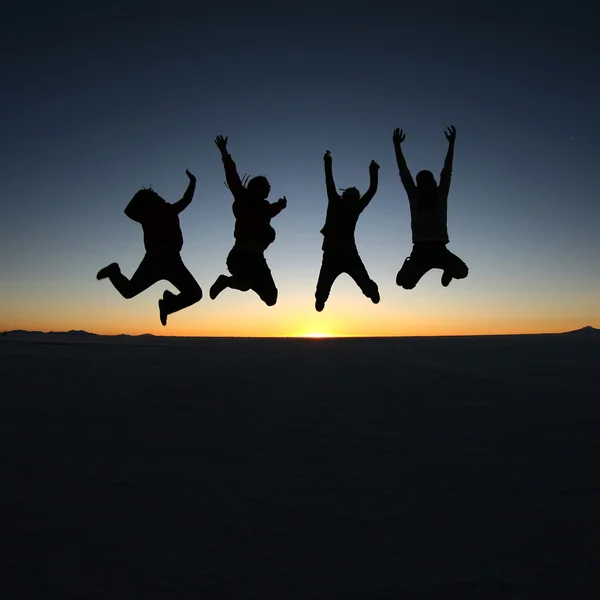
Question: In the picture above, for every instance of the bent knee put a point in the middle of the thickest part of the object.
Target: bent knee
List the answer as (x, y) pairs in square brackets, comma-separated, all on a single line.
[(270, 299), (322, 294), (369, 288), (241, 284), (196, 294), (372, 287), (405, 282), (461, 272)]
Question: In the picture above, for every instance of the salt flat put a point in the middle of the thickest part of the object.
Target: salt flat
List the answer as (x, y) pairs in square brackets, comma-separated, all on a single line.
[(333, 468)]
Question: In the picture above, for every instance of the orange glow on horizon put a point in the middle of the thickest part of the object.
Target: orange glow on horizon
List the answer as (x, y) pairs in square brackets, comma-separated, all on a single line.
[(408, 330), (246, 318)]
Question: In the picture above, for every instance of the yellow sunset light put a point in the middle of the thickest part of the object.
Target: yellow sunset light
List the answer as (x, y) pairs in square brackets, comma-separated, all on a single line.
[(317, 334)]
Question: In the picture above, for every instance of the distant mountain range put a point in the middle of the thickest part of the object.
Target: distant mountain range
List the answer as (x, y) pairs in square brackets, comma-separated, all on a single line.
[(587, 330), (75, 333), (78, 333)]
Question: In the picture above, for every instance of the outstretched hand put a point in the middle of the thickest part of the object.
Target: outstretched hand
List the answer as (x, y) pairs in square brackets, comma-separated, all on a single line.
[(374, 166), (399, 136), (221, 143), (327, 157), (282, 202), (450, 133), (191, 176)]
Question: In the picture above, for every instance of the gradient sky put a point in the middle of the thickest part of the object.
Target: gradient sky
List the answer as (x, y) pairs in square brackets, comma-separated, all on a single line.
[(100, 100)]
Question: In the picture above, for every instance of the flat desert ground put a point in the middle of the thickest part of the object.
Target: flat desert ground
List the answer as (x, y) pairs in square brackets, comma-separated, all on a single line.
[(407, 468)]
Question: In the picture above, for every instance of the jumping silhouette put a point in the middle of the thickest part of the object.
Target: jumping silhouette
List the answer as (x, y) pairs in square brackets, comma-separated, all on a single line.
[(163, 241), (429, 210), (253, 233), (340, 254)]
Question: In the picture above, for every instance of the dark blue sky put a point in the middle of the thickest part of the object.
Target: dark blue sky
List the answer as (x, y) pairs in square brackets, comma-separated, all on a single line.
[(100, 100)]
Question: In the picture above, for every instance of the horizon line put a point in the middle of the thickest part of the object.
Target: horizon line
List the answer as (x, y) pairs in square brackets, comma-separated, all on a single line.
[(309, 336)]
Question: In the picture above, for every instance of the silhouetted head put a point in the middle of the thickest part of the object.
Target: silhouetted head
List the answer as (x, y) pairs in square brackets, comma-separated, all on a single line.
[(259, 187), (149, 197), (426, 182), (350, 194)]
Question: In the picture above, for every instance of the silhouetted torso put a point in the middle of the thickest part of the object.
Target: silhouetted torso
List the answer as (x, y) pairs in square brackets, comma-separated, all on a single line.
[(162, 231), (429, 217), (252, 221), (340, 224), (253, 231)]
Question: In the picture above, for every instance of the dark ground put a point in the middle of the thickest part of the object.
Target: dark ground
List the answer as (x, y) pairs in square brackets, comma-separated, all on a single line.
[(369, 468)]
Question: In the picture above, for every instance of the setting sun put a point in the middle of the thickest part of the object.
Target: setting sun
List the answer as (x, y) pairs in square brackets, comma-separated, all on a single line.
[(317, 335)]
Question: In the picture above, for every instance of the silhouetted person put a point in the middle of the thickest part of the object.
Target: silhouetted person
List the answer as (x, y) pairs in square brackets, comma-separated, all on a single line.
[(253, 233), (163, 241), (340, 254), (428, 211)]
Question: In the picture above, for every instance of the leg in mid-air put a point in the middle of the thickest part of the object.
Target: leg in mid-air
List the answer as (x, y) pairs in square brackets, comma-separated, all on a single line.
[(261, 281), (221, 283), (176, 273), (249, 271), (146, 275), (238, 279), (427, 256), (413, 269), (331, 269), (357, 270), (453, 267)]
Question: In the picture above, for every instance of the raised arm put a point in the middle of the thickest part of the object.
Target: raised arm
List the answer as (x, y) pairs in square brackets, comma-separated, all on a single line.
[(446, 174), (373, 183), (332, 193), (234, 182), (405, 176), (188, 195)]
